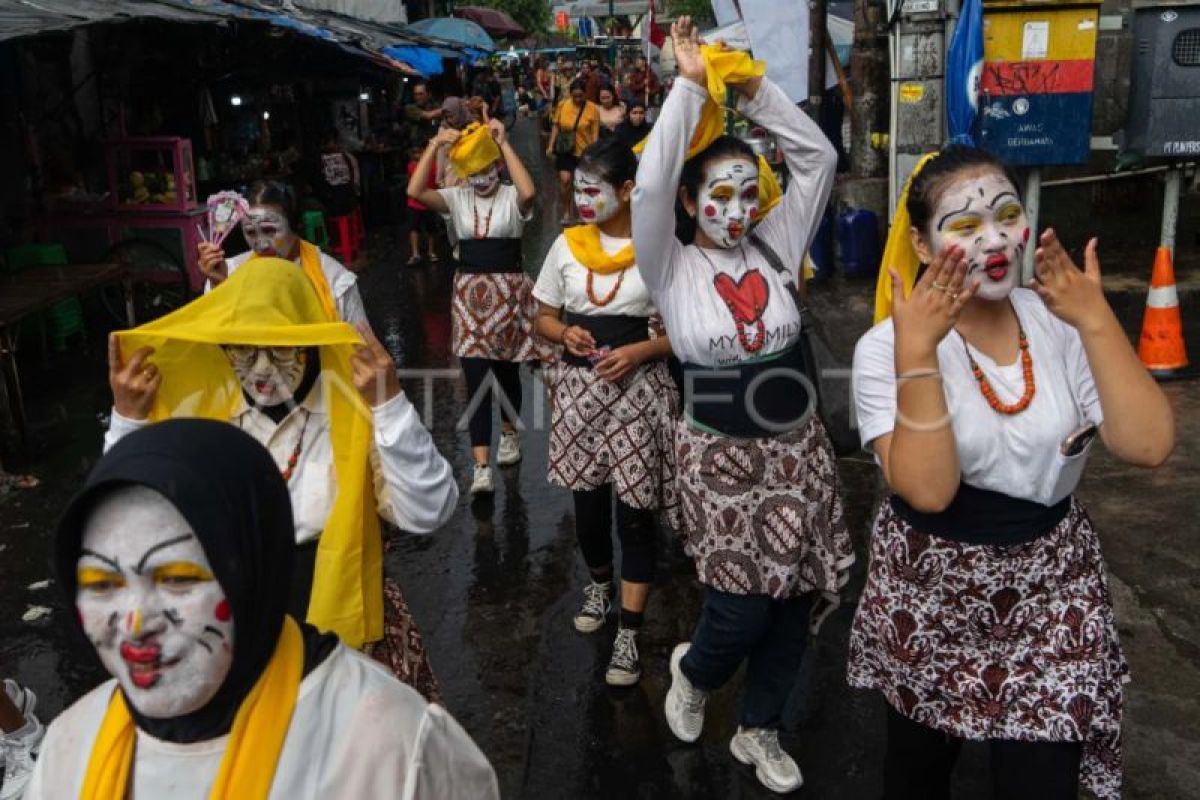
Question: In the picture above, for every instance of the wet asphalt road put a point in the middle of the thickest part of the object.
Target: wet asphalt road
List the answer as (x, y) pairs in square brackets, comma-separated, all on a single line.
[(494, 590)]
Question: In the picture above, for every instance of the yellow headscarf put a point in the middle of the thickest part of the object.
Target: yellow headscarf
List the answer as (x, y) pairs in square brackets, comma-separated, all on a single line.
[(899, 254), (310, 262), (255, 742), (474, 151), (584, 241), (270, 303)]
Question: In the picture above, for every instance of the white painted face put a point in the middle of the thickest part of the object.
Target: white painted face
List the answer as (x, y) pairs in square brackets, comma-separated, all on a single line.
[(268, 232), (595, 197), (149, 603), (983, 215), (269, 375), (487, 181), (728, 200)]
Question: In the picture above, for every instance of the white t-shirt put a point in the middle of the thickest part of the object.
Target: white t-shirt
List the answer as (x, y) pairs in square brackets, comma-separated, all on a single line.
[(507, 221), (1017, 454), (343, 284), (356, 732), (562, 283)]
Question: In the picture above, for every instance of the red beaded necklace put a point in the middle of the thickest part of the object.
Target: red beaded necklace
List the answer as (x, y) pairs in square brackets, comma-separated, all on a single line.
[(294, 458), (611, 295), (487, 225), (985, 386)]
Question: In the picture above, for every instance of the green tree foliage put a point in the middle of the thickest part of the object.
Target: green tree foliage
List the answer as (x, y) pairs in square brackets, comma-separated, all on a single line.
[(699, 10), (533, 15)]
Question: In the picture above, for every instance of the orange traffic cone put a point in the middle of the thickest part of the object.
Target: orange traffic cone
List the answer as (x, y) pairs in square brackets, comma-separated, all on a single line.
[(1161, 347)]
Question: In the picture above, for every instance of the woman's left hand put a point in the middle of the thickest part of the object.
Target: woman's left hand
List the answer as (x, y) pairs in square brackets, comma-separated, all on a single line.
[(619, 363), (374, 371), (1073, 295), (499, 135)]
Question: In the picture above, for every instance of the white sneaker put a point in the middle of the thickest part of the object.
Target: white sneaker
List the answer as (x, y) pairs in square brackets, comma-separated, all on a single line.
[(624, 668), (19, 749), (775, 769), (597, 602), (24, 699), (685, 703), (483, 483), (509, 451)]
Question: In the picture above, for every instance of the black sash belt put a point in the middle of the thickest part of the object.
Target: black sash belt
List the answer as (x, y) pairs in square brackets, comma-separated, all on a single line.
[(609, 330), (489, 255), (763, 398), (980, 516)]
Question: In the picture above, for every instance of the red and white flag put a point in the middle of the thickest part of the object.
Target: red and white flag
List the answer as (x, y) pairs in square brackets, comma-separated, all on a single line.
[(653, 40)]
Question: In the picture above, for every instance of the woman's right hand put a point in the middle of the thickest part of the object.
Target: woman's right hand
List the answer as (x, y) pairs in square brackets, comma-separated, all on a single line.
[(211, 260), (924, 318), (134, 385), (578, 341), (686, 39)]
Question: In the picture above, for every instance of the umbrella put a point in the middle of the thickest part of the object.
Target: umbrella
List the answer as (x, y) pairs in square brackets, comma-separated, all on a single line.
[(457, 31), (492, 20), (964, 62)]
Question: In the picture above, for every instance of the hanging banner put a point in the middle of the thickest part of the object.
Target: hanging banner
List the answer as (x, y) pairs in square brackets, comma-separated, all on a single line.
[(779, 36)]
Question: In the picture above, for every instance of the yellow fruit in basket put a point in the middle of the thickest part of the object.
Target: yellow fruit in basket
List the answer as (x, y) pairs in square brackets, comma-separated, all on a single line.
[(169, 197), (137, 179), (170, 181)]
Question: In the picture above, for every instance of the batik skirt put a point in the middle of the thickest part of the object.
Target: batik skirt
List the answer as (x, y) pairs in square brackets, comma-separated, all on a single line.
[(764, 515), (492, 316), (619, 433), (402, 650), (996, 642)]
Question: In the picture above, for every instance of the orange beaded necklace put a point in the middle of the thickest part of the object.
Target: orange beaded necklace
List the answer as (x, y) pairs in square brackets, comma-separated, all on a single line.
[(985, 386)]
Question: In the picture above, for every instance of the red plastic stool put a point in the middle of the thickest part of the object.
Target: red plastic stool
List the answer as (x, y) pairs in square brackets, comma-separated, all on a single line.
[(342, 241), (359, 230)]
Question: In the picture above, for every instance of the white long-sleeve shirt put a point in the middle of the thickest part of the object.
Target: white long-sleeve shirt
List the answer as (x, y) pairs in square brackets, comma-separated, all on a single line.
[(415, 487), (356, 732), (343, 284), (685, 280)]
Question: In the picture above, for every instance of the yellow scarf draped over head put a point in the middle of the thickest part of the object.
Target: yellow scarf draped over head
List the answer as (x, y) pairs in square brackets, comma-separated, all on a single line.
[(310, 263), (899, 254), (474, 151), (270, 303), (255, 741), (584, 241)]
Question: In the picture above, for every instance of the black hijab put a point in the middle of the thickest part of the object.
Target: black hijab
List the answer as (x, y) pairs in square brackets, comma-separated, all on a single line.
[(229, 489)]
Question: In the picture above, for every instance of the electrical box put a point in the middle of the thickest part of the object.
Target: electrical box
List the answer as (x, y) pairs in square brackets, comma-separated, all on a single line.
[(1164, 97), (1036, 88)]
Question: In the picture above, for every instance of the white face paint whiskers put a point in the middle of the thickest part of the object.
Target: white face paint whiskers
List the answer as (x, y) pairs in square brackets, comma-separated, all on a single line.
[(486, 182), (268, 375), (728, 200), (983, 215), (268, 232), (595, 198)]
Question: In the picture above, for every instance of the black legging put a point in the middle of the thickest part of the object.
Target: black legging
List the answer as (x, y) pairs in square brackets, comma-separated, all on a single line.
[(593, 527), (480, 400), (919, 762)]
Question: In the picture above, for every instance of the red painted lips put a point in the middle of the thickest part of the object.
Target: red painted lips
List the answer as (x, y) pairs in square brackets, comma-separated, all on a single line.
[(997, 266), (145, 663)]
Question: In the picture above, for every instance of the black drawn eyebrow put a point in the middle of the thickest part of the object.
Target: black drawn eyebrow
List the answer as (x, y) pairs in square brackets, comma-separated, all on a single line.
[(85, 552), (998, 197), (966, 207), (160, 546)]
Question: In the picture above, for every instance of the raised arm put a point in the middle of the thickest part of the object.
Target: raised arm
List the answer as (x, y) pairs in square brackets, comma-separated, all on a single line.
[(418, 184), (526, 190), (661, 165), (811, 162)]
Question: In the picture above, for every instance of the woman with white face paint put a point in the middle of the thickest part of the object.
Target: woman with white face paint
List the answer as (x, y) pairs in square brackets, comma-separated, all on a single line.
[(613, 399), (758, 479), (986, 613), (325, 400), (493, 307), (174, 555), (270, 231)]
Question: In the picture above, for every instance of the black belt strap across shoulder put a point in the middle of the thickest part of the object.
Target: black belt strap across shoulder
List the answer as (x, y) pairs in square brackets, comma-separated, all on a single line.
[(981, 516), (489, 255), (609, 330)]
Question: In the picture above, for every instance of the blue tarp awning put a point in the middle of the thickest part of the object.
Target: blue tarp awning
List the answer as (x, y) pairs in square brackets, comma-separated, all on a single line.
[(424, 60)]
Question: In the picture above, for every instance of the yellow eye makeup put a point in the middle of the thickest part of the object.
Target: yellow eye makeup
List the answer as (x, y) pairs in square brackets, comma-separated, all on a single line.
[(722, 193), (179, 572), (1010, 213), (965, 225), (97, 579)]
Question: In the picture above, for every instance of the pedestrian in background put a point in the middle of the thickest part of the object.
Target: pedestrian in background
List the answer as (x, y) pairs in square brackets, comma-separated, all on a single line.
[(422, 221), (576, 127)]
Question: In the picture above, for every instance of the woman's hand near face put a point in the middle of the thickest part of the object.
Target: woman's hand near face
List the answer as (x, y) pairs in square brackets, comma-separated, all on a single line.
[(211, 260), (924, 318), (686, 39), (1073, 295), (134, 385), (447, 136), (499, 134), (373, 370)]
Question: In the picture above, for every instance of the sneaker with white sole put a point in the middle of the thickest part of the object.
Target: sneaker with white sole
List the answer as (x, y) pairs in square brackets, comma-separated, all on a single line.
[(19, 750), (597, 602), (775, 769), (509, 451), (624, 668), (24, 699), (483, 483), (685, 703)]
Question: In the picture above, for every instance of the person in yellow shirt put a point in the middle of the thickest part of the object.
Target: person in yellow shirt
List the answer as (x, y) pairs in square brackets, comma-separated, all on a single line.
[(576, 127)]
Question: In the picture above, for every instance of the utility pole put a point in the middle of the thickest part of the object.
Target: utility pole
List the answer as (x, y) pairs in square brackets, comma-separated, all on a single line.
[(817, 10), (869, 75)]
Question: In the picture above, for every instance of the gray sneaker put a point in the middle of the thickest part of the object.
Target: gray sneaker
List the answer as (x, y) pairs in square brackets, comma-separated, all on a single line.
[(624, 668), (597, 602), (685, 703), (482, 482), (775, 769), (509, 451)]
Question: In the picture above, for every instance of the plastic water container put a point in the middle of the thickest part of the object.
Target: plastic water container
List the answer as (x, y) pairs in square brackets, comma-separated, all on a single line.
[(858, 238), (821, 251)]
